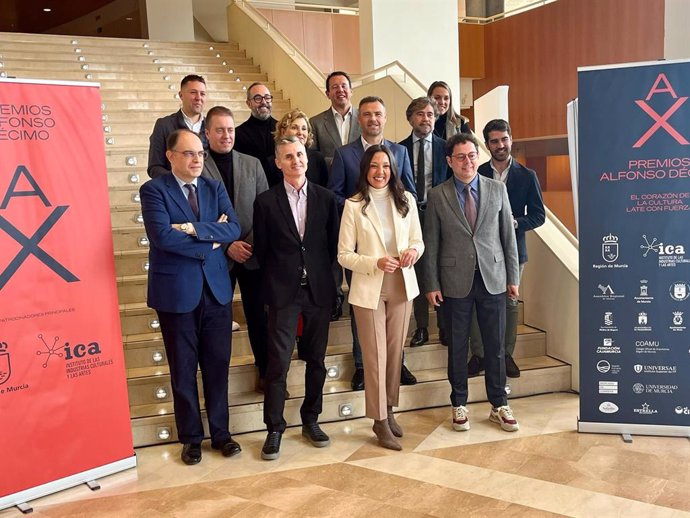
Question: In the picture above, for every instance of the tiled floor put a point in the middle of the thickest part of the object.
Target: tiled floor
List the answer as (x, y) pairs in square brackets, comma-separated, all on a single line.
[(545, 469)]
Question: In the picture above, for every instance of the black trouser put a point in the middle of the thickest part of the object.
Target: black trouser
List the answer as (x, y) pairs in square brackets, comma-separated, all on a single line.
[(282, 323), (201, 337), (250, 288), (491, 315)]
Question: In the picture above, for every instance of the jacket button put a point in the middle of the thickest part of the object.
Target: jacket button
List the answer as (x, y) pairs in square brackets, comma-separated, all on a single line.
[(304, 249)]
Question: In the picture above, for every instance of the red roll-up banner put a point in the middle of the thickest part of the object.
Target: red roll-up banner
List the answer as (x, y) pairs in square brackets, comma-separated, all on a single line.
[(64, 413)]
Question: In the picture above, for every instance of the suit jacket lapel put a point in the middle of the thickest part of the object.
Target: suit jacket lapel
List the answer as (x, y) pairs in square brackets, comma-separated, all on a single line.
[(284, 207), (372, 215), (484, 196), (237, 176), (452, 199), (179, 197), (332, 128)]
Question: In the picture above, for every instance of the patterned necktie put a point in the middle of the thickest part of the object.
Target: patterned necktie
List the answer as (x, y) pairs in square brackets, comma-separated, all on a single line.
[(421, 180), (191, 198), (470, 207)]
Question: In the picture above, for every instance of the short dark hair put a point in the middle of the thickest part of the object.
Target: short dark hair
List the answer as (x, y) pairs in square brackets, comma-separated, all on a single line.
[(460, 138), (496, 125), (191, 77), (395, 186), (218, 111), (172, 139), (371, 99), (256, 83), (337, 73), (418, 104)]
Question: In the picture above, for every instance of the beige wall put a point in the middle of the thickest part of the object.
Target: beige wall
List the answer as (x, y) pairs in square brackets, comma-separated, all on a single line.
[(330, 41), (170, 20)]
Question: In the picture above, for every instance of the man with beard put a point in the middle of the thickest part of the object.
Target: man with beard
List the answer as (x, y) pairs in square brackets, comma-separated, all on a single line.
[(343, 182), (192, 95), (428, 156), (528, 213), (254, 136)]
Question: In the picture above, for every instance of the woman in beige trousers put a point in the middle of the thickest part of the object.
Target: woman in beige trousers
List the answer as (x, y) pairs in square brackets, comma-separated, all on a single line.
[(380, 241)]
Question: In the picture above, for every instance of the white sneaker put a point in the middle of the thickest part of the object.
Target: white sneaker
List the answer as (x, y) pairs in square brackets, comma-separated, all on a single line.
[(503, 416), (235, 326), (461, 419)]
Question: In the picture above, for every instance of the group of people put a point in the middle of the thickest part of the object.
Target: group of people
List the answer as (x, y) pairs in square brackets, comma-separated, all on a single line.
[(283, 208)]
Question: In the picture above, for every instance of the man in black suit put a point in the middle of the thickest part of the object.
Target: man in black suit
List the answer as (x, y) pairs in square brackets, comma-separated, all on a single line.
[(188, 218), (528, 213), (244, 180), (254, 137), (295, 241), (428, 160), (192, 95)]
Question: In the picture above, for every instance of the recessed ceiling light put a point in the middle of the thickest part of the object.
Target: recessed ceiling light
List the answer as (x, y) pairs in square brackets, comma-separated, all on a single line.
[(129, 18), (47, 9)]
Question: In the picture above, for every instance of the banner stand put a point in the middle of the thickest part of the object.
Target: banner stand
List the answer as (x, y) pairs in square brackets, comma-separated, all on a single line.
[(21, 498)]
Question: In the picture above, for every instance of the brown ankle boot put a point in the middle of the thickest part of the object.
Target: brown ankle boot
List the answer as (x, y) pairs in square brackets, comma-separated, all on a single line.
[(393, 424), (385, 436)]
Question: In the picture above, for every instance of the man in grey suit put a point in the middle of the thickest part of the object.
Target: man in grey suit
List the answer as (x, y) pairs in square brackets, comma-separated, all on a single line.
[(471, 261), (338, 125), (244, 180)]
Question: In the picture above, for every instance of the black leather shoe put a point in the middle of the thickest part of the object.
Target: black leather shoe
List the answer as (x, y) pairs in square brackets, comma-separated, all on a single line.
[(406, 377), (317, 437), (191, 454), (271, 448), (337, 310), (442, 337), (419, 337), (229, 447), (512, 370), (475, 366), (358, 380)]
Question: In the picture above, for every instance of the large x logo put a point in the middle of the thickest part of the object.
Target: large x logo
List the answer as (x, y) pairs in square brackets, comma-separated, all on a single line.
[(30, 247), (661, 122)]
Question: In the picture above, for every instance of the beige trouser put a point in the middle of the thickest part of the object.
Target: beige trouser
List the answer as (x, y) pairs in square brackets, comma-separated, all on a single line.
[(382, 333)]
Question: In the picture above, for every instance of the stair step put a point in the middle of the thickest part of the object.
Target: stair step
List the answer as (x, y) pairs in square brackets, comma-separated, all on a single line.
[(539, 375)]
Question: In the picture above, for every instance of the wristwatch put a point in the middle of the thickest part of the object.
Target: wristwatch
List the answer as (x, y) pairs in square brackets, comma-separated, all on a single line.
[(185, 227)]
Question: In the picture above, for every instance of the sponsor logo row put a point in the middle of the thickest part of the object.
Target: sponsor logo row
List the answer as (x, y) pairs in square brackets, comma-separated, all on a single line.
[(668, 254), (609, 407)]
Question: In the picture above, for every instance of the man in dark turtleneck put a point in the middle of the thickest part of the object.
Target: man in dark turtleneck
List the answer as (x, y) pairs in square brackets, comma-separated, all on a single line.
[(255, 135), (244, 179)]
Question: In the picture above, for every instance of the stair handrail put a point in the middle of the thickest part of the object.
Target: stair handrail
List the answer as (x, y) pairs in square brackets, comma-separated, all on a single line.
[(552, 218), (299, 6), (478, 20)]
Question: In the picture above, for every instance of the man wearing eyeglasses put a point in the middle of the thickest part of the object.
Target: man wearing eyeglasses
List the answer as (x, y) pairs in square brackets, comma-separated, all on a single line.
[(188, 219), (192, 95), (471, 261), (254, 136), (528, 213)]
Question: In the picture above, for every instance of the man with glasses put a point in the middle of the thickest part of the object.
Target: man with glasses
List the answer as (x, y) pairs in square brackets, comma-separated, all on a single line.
[(528, 213), (254, 136), (188, 219), (471, 261), (192, 95)]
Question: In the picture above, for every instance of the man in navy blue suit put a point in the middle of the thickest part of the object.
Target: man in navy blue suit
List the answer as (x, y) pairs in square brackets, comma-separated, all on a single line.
[(427, 154), (527, 207), (343, 181), (188, 220)]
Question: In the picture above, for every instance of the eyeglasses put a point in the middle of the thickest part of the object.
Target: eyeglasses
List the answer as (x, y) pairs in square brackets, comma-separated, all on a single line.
[(460, 157), (191, 154), (258, 98)]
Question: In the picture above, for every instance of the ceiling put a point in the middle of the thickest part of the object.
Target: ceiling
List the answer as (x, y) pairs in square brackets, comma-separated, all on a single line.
[(29, 16)]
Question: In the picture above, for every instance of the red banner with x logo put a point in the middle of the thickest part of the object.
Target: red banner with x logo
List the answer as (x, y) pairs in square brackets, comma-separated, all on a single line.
[(63, 394)]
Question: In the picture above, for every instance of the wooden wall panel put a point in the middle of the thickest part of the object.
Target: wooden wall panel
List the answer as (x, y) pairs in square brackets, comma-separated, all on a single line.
[(318, 39), (471, 50), (290, 23), (537, 54), (346, 54)]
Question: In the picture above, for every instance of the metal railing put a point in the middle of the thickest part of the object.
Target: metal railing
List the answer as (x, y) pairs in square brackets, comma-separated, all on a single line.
[(301, 6), (499, 16)]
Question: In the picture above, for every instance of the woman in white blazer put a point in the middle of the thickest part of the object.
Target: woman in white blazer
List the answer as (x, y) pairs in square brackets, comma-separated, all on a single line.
[(380, 241)]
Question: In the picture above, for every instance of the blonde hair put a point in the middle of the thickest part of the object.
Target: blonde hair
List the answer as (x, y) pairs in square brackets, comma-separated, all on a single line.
[(288, 119)]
